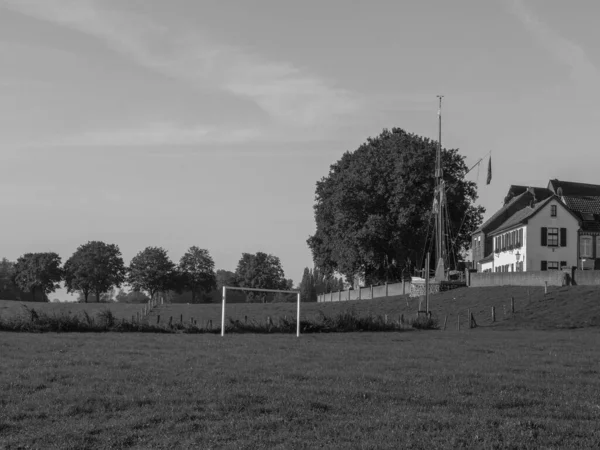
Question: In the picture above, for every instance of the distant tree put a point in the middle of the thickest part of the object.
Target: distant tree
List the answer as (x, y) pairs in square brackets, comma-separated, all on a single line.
[(198, 270), (225, 278), (8, 288), (373, 209), (95, 267), (105, 297), (131, 297), (260, 271), (151, 271), (307, 287), (41, 272)]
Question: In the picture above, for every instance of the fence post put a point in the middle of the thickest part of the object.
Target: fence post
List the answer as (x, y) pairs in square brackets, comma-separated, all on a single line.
[(512, 305), (371, 292), (181, 319), (445, 320), (403, 287), (385, 318), (339, 296), (359, 293), (493, 314), (157, 319), (545, 287), (348, 294), (386, 289)]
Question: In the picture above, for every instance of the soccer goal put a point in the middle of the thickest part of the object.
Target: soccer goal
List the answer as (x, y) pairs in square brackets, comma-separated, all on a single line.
[(226, 288)]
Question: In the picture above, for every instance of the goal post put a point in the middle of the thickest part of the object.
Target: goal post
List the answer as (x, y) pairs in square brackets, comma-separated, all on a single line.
[(231, 288)]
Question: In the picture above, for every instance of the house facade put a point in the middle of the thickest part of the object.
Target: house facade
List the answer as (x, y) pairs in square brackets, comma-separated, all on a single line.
[(584, 200), (513, 232), (518, 197), (542, 236)]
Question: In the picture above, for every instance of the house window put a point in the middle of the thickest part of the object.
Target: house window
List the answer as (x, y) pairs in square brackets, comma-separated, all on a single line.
[(552, 265), (552, 210), (552, 237), (585, 246)]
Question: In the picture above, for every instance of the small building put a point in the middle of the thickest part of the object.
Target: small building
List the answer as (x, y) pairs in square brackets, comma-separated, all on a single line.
[(541, 236), (518, 197), (584, 201)]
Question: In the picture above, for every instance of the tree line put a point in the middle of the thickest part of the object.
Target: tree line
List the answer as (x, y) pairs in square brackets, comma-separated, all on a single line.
[(96, 269)]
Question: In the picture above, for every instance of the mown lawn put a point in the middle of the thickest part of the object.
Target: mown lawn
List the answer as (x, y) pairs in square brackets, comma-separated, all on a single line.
[(484, 388)]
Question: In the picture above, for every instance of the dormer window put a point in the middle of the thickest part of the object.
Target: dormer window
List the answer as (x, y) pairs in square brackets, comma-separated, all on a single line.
[(552, 210)]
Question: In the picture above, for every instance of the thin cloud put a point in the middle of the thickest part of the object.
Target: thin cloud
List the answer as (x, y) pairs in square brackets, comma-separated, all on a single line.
[(291, 97), (156, 134), (583, 72)]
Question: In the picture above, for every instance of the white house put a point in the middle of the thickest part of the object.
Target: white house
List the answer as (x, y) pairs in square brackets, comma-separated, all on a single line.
[(542, 236)]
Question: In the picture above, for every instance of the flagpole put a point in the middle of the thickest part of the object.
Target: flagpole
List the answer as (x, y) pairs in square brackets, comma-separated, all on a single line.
[(439, 194)]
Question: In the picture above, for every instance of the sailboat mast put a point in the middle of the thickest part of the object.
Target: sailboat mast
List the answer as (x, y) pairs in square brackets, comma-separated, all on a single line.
[(439, 190)]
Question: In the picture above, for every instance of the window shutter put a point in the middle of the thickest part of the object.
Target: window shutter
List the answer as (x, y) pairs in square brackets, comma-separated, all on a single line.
[(521, 237), (544, 265), (563, 264), (544, 238), (563, 237)]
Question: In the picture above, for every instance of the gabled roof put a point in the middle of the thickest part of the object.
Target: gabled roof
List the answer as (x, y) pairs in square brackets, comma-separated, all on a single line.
[(539, 192), (513, 205), (590, 226), (586, 204), (523, 215), (570, 188)]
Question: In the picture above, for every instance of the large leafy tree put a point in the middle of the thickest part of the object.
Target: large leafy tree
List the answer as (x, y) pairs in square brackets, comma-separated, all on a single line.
[(152, 271), (95, 267), (373, 210), (260, 271), (198, 270), (38, 272)]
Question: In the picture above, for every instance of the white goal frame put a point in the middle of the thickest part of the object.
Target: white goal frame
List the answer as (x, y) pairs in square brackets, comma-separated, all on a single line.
[(232, 288)]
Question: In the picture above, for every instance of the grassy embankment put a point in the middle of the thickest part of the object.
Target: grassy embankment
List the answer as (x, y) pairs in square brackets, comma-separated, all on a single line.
[(566, 307)]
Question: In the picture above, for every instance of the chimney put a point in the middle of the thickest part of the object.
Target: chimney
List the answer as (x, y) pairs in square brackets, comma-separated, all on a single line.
[(532, 192)]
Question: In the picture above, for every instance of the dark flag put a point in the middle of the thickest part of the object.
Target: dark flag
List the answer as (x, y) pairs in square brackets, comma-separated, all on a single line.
[(489, 176)]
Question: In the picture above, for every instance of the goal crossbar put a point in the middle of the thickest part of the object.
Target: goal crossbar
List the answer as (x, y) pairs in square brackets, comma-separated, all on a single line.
[(232, 288)]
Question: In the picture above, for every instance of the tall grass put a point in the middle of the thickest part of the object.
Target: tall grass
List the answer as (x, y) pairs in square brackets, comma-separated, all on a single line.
[(31, 320)]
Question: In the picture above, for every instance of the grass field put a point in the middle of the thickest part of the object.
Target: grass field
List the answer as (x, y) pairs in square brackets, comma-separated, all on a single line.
[(485, 388), (528, 381)]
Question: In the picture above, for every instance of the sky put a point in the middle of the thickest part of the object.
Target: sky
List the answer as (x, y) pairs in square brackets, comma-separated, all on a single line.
[(208, 123)]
